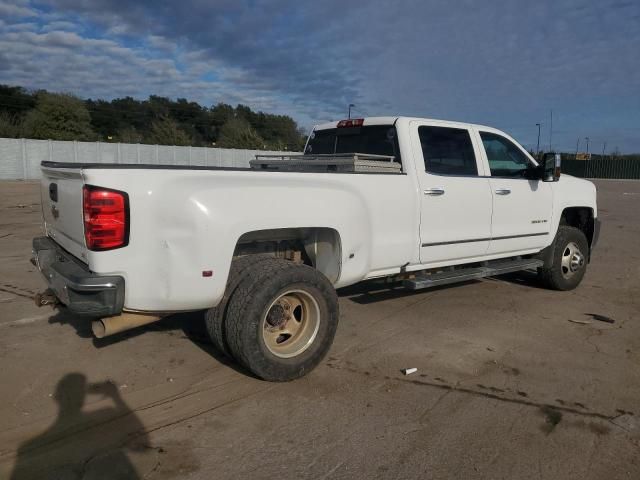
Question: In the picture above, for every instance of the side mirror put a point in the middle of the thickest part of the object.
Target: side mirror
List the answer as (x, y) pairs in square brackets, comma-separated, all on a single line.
[(550, 166)]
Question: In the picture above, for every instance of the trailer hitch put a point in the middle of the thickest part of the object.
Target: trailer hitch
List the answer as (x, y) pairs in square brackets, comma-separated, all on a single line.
[(46, 298)]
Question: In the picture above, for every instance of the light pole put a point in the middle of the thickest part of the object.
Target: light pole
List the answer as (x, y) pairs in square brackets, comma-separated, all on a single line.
[(587, 139), (349, 114), (538, 145), (551, 133), (577, 146)]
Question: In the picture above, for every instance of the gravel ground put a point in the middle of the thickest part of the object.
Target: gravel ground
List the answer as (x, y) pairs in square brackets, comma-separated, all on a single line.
[(513, 381)]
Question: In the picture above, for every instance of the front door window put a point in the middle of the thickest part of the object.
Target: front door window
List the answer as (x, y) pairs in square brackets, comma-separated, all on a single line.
[(505, 158)]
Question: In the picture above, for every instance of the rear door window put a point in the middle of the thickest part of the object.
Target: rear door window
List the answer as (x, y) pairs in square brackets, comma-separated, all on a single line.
[(448, 151)]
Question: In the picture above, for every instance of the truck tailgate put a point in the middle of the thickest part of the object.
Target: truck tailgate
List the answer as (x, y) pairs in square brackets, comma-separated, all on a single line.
[(61, 192)]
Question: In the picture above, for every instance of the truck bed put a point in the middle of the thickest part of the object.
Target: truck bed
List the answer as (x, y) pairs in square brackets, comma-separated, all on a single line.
[(186, 220)]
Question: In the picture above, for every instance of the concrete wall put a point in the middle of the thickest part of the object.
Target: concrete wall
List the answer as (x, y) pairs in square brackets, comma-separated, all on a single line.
[(20, 158)]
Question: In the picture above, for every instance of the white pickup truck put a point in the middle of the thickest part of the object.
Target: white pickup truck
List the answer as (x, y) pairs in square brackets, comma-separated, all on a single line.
[(263, 251)]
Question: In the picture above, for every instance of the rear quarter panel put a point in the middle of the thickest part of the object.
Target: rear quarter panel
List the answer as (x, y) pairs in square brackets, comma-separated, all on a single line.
[(186, 221)]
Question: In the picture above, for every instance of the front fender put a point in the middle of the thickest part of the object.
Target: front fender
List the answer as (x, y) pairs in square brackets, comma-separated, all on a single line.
[(570, 192)]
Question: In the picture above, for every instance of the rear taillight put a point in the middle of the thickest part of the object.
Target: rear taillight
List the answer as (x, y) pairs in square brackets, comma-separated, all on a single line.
[(106, 218)]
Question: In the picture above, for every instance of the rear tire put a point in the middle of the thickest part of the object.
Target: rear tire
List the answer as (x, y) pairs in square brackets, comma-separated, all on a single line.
[(214, 317), (568, 260), (281, 320)]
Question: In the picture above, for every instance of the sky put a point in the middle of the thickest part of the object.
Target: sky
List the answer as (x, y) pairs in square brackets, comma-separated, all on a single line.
[(501, 63)]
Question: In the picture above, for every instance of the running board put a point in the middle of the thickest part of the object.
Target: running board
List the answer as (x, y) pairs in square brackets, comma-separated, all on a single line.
[(497, 267)]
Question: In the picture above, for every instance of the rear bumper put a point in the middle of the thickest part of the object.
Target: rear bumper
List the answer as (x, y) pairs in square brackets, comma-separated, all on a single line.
[(82, 291)]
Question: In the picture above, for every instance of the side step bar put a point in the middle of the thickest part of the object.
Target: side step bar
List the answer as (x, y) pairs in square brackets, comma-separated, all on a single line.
[(496, 267)]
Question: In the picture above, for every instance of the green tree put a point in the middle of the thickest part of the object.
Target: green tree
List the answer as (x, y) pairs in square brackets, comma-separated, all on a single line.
[(129, 135), (218, 116), (237, 133), (10, 125), (165, 131), (16, 101), (131, 120), (58, 117), (193, 119)]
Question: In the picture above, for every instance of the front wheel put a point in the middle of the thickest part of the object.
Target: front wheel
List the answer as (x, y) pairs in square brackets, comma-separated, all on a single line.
[(281, 320), (569, 260)]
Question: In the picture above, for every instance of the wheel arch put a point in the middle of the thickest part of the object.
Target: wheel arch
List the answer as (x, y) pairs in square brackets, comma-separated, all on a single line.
[(580, 217), (319, 247)]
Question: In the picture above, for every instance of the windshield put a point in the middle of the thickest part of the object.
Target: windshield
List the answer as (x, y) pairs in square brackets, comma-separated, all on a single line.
[(374, 139)]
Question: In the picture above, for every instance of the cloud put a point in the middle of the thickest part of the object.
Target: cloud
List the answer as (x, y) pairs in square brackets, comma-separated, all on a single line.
[(506, 63), (60, 25), (162, 43), (258, 41), (101, 68), (16, 9)]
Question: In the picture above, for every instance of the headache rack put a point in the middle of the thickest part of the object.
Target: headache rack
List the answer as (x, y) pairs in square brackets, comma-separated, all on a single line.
[(338, 162)]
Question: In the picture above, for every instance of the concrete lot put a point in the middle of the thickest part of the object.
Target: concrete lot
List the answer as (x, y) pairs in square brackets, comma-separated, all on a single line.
[(508, 384)]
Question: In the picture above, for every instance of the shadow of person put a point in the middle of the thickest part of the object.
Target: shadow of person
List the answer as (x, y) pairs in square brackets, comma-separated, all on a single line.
[(84, 444)]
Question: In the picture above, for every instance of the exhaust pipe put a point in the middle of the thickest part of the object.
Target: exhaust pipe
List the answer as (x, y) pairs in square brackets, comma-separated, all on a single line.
[(110, 325)]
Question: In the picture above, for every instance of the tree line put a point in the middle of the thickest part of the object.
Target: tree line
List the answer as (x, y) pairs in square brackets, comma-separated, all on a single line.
[(156, 120)]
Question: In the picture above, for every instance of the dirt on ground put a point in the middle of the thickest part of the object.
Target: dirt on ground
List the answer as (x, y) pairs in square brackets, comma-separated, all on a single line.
[(513, 381)]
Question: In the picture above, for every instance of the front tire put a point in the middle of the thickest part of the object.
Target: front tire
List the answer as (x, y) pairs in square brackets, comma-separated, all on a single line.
[(281, 320), (569, 260)]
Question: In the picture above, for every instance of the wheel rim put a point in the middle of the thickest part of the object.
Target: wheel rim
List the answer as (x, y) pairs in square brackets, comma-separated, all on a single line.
[(291, 323), (572, 260)]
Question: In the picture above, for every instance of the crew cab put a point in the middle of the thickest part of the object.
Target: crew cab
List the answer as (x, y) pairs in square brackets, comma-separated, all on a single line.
[(264, 249)]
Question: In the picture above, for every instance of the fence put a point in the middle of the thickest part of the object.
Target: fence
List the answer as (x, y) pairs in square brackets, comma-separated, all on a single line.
[(20, 158), (603, 168)]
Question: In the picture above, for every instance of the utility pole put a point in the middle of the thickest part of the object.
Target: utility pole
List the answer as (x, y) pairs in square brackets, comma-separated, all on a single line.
[(587, 139), (350, 106), (551, 133), (603, 148), (577, 146), (538, 146)]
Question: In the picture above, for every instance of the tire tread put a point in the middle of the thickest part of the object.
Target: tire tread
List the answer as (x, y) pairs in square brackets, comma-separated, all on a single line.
[(214, 317), (245, 310)]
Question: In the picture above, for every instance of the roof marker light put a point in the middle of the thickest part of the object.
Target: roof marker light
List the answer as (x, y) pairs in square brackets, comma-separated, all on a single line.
[(354, 122)]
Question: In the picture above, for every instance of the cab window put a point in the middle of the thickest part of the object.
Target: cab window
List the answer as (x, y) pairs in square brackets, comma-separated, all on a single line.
[(372, 139), (447, 151), (505, 158)]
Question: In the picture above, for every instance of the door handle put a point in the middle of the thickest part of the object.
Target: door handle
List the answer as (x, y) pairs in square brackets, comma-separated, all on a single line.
[(503, 191), (434, 192)]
